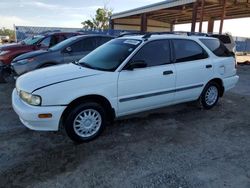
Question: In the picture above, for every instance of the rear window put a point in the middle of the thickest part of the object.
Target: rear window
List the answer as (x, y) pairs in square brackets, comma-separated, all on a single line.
[(217, 47), (188, 50), (223, 38)]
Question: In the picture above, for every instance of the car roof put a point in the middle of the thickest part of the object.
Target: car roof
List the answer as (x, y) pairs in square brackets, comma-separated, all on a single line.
[(166, 36), (61, 33), (92, 35)]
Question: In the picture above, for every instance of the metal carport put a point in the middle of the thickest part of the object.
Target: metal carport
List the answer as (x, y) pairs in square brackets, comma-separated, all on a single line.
[(164, 15)]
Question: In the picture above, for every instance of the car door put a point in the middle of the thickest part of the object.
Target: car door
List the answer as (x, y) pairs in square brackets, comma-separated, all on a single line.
[(79, 49), (150, 87), (193, 69)]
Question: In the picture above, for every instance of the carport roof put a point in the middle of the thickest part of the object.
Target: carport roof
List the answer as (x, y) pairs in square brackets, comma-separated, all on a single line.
[(180, 11), (152, 7)]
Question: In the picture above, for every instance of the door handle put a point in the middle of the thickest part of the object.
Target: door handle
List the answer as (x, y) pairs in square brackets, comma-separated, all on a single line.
[(209, 66), (167, 72)]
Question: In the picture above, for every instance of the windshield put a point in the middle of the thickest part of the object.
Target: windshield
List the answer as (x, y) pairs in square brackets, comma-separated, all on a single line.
[(32, 40), (110, 55), (63, 44)]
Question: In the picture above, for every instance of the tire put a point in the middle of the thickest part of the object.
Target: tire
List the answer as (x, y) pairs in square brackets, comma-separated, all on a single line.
[(7, 75), (210, 95), (85, 122)]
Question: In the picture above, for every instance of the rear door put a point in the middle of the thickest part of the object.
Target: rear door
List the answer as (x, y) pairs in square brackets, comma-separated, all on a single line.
[(79, 49), (150, 87), (193, 67)]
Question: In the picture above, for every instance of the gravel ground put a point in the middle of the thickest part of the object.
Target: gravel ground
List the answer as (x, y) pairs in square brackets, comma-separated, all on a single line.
[(180, 146)]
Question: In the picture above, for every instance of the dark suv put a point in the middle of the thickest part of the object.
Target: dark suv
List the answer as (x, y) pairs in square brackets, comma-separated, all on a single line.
[(9, 51), (70, 50)]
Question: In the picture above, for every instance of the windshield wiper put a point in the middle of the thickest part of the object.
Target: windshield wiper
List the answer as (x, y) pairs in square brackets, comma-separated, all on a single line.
[(83, 64), (75, 62)]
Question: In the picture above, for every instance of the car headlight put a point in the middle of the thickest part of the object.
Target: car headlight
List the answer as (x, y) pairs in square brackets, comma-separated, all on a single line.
[(4, 52), (31, 99), (24, 61)]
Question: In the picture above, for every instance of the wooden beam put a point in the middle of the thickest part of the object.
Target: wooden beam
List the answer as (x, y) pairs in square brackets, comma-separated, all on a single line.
[(143, 22), (201, 15), (194, 16), (210, 27), (222, 16), (111, 24)]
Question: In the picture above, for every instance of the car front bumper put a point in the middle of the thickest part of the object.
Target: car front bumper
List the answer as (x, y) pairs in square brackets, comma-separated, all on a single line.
[(20, 69), (29, 114)]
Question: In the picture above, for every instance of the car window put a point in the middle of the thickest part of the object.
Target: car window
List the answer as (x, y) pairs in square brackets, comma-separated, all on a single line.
[(62, 45), (188, 50), (32, 40), (102, 40), (77, 46), (60, 38), (53, 41), (86, 44), (45, 42), (154, 53), (223, 38), (68, 35), (89, 44), (216, 47), (110, 55)]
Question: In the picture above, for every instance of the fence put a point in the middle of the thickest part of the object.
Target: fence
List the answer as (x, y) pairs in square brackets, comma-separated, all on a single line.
[(22, 32)]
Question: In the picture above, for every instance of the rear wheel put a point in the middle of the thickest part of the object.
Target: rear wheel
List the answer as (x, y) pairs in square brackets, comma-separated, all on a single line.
[(210, 95), (85, 122)]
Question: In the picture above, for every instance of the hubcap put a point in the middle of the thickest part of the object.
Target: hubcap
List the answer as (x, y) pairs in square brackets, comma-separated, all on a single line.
[(87, 123), (211, 95)]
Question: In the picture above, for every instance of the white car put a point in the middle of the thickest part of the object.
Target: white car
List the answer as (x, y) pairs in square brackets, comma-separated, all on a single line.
[(124, 76)]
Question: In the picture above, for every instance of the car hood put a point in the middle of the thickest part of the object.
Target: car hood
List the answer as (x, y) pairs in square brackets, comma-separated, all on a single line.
[(42, 78), (12, 46), (30, 55)]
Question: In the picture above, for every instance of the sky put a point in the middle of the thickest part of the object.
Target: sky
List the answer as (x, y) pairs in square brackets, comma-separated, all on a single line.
[(70, 13)]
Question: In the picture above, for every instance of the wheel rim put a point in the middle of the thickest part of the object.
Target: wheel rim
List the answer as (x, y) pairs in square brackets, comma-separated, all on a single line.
[(87, 123), (211, 95)]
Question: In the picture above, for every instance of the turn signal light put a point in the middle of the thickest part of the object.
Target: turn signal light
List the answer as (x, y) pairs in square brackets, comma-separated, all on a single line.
[(43, 116)]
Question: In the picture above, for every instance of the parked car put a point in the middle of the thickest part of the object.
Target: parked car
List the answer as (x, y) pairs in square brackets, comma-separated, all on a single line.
[(227, 40), (9, 51), (70, 50), (4, 39), (124, 76)]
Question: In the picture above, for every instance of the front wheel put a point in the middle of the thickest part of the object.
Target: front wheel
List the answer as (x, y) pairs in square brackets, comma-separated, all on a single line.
[(85, 122), (210, 95)]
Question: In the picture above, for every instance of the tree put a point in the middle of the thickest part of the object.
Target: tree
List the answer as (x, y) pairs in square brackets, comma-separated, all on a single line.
[(100, 21), (7, 32)]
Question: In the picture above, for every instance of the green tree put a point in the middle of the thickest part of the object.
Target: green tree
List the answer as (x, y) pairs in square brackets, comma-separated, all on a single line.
[(7, 32), (100, 21)]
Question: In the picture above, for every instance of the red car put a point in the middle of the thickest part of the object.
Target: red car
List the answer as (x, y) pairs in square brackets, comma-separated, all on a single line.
[(10, 51)]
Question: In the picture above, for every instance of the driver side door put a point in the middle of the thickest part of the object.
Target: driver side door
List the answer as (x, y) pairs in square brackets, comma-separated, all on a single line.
[(150, 87)]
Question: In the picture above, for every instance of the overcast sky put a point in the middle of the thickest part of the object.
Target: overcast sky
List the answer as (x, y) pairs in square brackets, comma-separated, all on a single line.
[(70, 13)]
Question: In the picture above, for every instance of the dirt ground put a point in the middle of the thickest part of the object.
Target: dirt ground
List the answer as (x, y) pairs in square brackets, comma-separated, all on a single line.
[(180, 146)]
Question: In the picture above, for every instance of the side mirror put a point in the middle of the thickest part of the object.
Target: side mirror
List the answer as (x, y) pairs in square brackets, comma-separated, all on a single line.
[(136, 65), (68, 50)]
